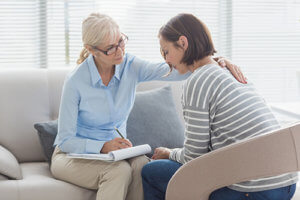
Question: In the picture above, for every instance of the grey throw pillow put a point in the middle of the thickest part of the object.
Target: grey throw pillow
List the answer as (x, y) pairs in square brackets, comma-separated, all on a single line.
[(47, 132), (154, 120)]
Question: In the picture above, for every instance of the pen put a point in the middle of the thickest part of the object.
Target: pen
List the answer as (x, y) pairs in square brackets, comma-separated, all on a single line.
[(119, 133)]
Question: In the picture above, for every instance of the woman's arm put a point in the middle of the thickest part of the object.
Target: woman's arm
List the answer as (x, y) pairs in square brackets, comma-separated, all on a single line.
[(197, 138), (67, 140), (196, 109), (148, 71)]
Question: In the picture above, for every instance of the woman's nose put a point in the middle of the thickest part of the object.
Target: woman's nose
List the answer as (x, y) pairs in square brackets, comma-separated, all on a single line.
[(167, 59)]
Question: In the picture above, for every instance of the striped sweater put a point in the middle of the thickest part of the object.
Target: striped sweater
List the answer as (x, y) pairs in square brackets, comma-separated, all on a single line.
[(218, 111)]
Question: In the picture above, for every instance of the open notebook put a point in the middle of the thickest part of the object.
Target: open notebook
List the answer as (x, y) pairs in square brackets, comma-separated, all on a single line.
[(116, 155)]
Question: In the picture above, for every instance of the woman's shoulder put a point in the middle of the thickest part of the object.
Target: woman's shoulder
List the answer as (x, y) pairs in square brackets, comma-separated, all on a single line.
[(209, 69), (77, 74), (132, 62), (210, 77), (216, 73), (75, 71), (205, 73), (131, 58)]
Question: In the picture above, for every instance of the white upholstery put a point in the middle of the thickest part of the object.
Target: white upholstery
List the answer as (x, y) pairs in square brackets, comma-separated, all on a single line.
[(38, 183), (24, 101)]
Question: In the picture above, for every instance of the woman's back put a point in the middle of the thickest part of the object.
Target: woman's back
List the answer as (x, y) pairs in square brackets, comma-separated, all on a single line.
[(215, 103), (236, 110)]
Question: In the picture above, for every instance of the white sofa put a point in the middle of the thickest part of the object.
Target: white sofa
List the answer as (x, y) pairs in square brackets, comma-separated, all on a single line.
[(29, 96)]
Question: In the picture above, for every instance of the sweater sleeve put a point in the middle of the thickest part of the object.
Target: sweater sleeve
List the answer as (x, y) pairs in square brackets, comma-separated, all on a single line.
[(196, 112), (197, 136)]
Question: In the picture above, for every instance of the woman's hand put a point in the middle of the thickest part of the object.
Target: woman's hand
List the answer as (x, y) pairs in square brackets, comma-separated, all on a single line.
[(161, 153), (115, 144), (234, 69)]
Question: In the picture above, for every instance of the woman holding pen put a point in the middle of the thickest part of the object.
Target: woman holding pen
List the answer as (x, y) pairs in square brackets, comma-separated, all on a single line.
[(97, 96), (218, 111)]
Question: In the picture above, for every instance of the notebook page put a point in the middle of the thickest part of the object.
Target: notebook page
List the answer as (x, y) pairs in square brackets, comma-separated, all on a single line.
[(130, 152), (97, 156)]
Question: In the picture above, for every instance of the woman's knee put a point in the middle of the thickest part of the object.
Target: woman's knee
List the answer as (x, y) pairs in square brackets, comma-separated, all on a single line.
[(121, 170), (160, 170), (147, 170), (152, 169), (57, 168), (138, 163)]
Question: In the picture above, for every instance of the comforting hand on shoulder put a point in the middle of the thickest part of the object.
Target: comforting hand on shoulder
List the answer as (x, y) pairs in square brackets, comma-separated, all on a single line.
[(234, 69), (115, 144), (161, 153)]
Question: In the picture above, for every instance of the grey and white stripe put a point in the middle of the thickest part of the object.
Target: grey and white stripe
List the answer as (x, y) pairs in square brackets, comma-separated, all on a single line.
[(218, 111)]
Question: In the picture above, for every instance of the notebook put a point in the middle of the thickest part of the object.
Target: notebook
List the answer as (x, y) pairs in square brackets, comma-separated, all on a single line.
[(116, 155)]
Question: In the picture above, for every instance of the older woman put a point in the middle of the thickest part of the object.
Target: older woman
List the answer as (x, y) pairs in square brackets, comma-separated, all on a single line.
[(218, 111), (97, 96)]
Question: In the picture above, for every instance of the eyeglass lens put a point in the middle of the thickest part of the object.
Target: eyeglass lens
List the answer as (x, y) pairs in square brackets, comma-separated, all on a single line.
[(121, 44)]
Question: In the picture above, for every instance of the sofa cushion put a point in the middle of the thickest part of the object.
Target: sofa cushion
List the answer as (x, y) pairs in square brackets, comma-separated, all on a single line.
[(47, 132), (39, 184), (154, 120), (9, 165)]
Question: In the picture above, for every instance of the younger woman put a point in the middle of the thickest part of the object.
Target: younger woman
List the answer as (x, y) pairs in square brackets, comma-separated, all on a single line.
[(218, 111)]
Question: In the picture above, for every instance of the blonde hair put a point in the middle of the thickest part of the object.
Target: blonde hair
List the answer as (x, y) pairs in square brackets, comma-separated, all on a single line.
[(95, 29)]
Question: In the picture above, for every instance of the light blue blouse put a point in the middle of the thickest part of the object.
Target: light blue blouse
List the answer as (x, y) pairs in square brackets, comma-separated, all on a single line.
[(89, 110)]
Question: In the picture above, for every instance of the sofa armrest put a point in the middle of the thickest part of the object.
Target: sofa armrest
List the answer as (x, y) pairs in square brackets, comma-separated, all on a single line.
[(9, 165), (263, 156)]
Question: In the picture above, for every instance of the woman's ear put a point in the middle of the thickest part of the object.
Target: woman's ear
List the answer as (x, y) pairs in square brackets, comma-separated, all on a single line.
[(90, 49), (183, 42)]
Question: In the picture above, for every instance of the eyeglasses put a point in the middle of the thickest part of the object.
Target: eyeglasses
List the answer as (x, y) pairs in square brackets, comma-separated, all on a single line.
[(122, 42)]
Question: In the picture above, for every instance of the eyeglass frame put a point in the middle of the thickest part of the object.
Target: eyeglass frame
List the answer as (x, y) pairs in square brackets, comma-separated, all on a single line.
[(124, 38)]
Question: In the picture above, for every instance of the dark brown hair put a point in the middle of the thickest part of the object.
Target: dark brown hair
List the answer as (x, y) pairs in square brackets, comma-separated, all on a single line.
[(198, 36)]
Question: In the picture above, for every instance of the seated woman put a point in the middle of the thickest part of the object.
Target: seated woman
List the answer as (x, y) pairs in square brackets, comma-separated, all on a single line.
[(218, 111)]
